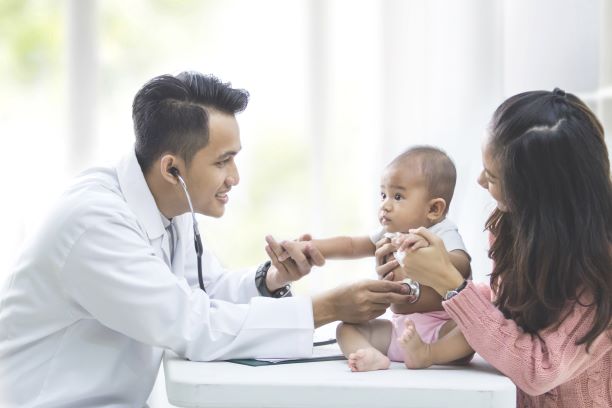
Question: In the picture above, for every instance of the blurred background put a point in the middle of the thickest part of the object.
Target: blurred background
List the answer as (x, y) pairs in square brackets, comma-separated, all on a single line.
[(338, 88)]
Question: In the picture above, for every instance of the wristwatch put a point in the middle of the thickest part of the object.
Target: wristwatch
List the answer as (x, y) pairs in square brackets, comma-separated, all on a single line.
[(262, 288), (454, 292)]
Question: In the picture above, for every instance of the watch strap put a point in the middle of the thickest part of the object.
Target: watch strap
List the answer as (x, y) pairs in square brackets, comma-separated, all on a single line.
[(454, 292), (262, 288)]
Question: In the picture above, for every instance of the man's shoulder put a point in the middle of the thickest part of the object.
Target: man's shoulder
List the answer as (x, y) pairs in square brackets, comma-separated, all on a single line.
[(93, 198), (96, 190)]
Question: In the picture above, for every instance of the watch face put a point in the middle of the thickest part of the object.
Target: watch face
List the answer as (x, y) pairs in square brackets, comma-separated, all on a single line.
[(450, 294)]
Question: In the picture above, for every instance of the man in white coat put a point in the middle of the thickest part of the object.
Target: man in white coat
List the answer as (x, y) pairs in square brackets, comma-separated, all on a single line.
[(110, 280)]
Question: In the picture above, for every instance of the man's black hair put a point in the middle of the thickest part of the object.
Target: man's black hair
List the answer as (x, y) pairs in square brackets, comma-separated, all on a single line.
[(171, 114)]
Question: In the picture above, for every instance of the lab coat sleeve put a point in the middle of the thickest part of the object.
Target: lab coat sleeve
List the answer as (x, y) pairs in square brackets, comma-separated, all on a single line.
[(232, 286), (113, 274), (220, 283)]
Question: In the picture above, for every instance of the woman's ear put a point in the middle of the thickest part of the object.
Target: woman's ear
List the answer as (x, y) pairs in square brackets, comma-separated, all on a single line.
[(437, 209)]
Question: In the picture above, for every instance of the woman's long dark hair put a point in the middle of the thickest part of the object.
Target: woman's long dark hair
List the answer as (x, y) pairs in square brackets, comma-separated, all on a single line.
[(554, 243)]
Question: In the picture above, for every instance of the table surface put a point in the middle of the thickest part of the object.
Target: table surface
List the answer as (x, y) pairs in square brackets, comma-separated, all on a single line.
[(332, 384)]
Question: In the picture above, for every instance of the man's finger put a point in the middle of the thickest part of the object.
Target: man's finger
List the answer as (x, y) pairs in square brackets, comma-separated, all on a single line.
[(386, 286), (390, 297), (274, 246), (279, 265), (297, 256), (305, 237), (284, 256)]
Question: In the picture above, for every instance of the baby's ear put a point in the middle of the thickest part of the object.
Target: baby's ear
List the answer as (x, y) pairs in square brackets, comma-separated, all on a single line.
[(437, 208)]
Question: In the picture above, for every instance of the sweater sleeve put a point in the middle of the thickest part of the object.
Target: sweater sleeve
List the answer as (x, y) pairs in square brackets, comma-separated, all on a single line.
[(535, 364)]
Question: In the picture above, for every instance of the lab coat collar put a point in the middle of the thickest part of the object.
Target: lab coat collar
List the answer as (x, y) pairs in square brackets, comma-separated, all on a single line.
[(138, 196)]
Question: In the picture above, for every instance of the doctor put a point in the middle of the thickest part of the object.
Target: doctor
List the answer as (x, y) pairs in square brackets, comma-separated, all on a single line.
[(110, 280)]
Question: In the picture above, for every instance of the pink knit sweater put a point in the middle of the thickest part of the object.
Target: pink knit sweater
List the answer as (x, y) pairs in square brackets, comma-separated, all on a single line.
[(548, 372)]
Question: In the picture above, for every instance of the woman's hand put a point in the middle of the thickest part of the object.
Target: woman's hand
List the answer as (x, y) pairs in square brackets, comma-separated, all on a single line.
[(429, 265), (405, 242), (386, 264)]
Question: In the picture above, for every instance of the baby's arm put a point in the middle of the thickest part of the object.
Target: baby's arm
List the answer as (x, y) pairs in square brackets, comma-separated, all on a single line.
[(340, 247), (345, 247), (461, 260), (430, 300)]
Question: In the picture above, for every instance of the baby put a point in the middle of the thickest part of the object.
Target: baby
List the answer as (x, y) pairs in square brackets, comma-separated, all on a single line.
[(416, 190)]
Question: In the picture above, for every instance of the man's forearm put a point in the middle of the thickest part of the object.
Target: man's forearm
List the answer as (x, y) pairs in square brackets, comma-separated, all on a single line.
[(322, 310)]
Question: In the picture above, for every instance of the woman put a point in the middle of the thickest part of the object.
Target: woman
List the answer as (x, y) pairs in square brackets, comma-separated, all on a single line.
[(545, 321)]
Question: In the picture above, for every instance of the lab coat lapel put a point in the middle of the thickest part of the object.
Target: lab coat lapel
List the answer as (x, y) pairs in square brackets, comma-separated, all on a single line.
[(178, 263)]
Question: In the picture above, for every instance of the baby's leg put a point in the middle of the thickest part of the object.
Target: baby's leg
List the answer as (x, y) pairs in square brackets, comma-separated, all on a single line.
[(448, 328), (450, 347), (365, 345)]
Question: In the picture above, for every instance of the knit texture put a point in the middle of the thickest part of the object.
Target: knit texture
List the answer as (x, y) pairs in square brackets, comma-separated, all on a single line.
[(549, 370)]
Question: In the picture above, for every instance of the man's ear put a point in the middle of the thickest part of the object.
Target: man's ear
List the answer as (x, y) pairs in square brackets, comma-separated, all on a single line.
[(168, 162), (436, 210)]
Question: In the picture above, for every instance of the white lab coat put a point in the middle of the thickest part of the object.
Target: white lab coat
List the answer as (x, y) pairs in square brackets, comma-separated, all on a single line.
[(92, 303)]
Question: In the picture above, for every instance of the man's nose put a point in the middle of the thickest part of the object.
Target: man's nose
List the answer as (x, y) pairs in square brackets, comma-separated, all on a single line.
[(234, 177)]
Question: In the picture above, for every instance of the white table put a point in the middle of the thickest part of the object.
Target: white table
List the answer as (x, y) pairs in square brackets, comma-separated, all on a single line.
[(332, 384)]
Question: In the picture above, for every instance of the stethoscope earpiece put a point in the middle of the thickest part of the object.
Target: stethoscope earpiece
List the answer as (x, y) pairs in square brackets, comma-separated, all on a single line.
[(196, 232)]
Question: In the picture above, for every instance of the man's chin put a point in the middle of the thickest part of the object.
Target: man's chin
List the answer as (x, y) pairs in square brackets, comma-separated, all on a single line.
[(213, 212)]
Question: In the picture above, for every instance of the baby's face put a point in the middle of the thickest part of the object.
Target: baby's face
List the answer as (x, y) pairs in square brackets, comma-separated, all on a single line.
[(404, 200)]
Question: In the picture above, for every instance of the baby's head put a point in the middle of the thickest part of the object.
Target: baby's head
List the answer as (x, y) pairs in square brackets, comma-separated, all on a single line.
[(416, 189)]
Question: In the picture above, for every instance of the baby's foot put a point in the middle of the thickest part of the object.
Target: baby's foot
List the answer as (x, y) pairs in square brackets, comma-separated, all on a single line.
[(416, 353), (368, 359)]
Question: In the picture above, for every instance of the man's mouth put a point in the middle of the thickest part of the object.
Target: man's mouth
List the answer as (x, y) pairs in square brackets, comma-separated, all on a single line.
[(223, 197)]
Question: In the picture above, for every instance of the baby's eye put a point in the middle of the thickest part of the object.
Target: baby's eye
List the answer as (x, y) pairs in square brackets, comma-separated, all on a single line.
[(397, 196), (383, 196)]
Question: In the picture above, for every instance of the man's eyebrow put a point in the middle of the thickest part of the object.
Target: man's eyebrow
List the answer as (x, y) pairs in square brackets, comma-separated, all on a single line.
[(227, 155)]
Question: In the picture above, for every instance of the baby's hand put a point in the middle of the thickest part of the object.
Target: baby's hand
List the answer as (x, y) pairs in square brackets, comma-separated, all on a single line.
[(299, 244)]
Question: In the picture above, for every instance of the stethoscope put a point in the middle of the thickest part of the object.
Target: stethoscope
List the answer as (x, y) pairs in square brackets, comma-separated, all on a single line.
[(196, 232)]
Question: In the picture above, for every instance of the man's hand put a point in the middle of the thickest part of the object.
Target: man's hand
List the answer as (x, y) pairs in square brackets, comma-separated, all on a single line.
[(357, 302), (291, 260)]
